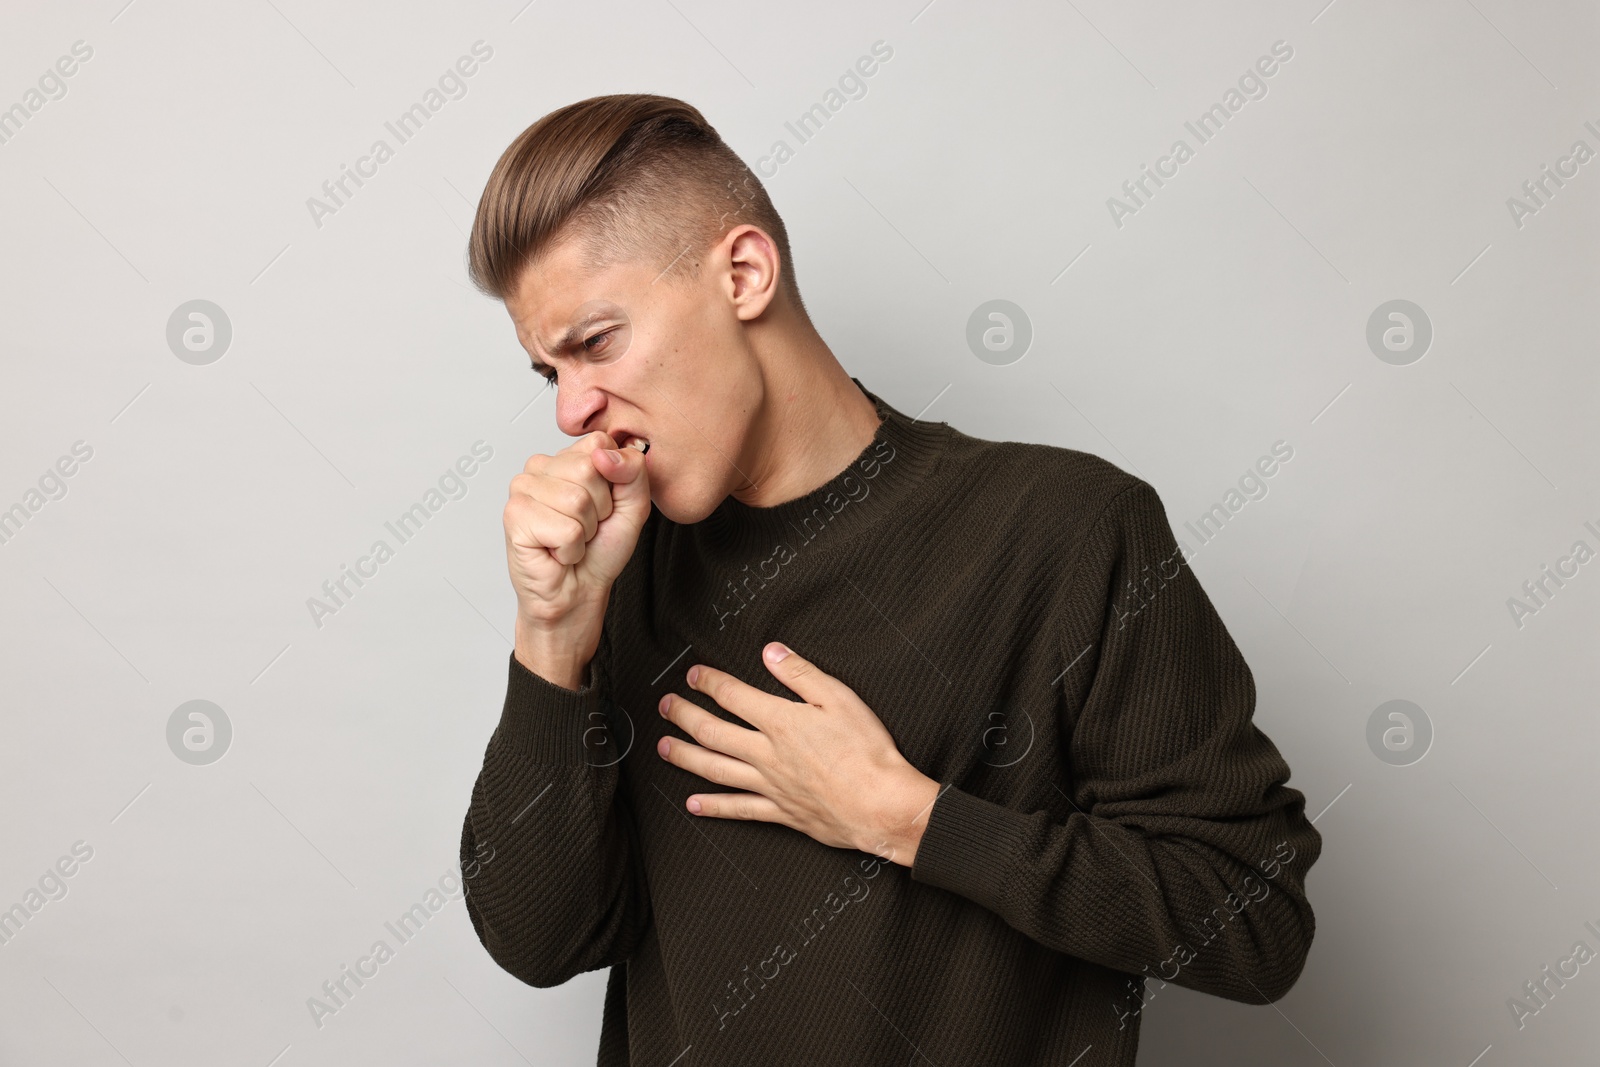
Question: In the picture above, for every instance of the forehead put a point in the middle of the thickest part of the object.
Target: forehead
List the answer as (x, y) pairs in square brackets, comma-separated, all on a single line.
[(562, 293)]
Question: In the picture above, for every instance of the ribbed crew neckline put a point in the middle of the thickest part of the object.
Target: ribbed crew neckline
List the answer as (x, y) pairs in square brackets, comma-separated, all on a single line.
[(876, 483)]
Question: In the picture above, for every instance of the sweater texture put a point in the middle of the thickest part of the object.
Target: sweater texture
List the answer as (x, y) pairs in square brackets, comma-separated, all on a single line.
[(1019, 616)]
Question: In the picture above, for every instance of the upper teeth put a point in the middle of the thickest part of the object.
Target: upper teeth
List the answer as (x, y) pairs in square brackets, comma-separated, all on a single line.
[(638, 443)]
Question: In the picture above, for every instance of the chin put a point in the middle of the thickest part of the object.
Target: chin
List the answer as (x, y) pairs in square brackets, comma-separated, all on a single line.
[(684, 512)]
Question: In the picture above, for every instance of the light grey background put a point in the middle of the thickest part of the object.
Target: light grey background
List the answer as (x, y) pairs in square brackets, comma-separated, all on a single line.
[(1228, 314)]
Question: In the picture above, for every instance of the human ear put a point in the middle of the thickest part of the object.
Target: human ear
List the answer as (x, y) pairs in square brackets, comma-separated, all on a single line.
[(753, 270)]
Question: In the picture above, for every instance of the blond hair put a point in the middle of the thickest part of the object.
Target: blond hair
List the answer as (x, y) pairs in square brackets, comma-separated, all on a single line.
[(631, 176)]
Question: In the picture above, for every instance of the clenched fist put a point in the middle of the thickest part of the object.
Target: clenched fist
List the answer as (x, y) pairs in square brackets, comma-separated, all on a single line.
[(571, 523)]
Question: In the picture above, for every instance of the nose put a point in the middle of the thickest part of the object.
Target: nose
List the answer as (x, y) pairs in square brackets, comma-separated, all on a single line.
[(577, 406)]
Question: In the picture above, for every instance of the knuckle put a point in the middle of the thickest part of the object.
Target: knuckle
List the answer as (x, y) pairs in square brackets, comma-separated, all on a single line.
[(575, 499), (710, 733)]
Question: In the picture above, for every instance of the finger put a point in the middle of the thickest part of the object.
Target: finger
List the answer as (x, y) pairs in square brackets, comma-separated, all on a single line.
[(739, 697), (531, 525), (566, 498), (573, 467), (712, 766), (814, 685), (616, 477), (576, 464), (627, 472), (621, 465), (751, 807), (716, 734), (590, 441)]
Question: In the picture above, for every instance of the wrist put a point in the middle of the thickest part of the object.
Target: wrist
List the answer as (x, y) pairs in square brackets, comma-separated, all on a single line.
[(549, 620), (560, 654), (905, 808)]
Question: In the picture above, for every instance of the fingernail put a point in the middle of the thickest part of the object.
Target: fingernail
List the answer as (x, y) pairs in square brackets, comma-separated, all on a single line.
[(612, 454), (694, 805), (694, 673), (664, 704), (664, 746), (776, 653)]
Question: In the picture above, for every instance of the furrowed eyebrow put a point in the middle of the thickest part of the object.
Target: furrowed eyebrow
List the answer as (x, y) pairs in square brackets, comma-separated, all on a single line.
[(574, 332)]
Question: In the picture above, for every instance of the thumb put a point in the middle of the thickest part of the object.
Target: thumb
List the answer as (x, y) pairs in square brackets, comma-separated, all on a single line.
[(625, 469)]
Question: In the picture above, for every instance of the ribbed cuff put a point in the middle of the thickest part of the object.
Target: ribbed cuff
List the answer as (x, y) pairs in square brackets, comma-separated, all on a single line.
[(548, 723), (969, 847)]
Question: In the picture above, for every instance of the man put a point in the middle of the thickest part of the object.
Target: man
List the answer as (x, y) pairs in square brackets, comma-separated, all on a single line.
[(839, 736)]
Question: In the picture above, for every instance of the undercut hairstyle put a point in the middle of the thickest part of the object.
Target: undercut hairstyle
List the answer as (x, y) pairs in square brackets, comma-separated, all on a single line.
[(629, 177)]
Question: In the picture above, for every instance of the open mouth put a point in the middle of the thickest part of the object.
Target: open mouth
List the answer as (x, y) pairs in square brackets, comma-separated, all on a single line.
[(638, 444)]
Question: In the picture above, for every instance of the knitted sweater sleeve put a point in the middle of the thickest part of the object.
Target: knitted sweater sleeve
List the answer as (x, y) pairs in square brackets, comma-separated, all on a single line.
[(549, 848), (1181, 854)]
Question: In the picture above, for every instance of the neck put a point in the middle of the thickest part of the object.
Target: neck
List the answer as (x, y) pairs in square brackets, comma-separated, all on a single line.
[(876, 485), (812, 422)]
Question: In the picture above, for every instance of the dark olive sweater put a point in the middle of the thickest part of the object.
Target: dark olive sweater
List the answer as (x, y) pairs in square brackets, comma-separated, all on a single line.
[(1020, 618)]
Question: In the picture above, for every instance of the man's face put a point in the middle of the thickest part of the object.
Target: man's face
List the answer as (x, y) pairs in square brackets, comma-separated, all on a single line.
[(638, 355)]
